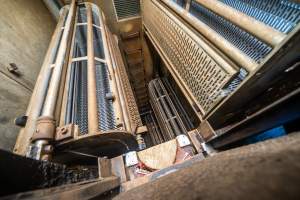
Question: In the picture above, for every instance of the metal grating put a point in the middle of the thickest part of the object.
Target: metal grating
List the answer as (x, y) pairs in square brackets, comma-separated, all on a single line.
[(134, 115), (127, 8), (82, 105), (203, 76), (282, 15), (106, 118), (247, 43)]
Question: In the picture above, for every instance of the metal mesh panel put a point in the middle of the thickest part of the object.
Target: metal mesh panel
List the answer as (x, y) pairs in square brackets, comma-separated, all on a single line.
[(282, 15), (250, 45), (82, 106), (235, 83), (105, 106), (203, 76)]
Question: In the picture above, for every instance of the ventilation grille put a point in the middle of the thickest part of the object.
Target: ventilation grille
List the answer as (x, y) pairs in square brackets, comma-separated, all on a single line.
[(127, 8), (203, 77)]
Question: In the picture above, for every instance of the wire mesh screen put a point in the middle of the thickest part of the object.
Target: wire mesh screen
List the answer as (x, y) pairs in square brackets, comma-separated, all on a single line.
[(247, 43), (82, 98), (282, 15), (104, 100)]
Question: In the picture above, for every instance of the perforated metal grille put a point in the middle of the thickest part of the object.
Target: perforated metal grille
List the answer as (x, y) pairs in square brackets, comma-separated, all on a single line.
[(82, 106), (202, 75), (250, 45), (282, 15), (132, 106), (106, 118), (127, 8)]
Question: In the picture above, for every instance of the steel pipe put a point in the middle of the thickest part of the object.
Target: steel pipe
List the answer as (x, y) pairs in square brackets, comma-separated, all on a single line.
[(52, 95), (91, 71), (234, 53), (40, 89), (46, 125), (253, 26)]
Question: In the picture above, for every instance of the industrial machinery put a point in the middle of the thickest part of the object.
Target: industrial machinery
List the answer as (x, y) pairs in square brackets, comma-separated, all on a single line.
[(82, 93), (141, 100)]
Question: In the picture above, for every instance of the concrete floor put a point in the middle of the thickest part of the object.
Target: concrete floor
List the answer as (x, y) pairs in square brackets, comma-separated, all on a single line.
[(26, 29)]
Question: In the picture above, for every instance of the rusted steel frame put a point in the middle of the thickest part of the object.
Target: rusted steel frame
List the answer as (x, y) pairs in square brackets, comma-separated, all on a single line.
[(117, 64), (91, 75), (66, 89), (234, 53), (40, 89), (117, 106), (253, 26)]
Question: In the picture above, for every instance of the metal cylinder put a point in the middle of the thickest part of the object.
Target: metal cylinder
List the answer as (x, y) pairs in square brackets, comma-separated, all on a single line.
[(45, 127), (41, 86), (253, 26), (52, 95), (91, 71)]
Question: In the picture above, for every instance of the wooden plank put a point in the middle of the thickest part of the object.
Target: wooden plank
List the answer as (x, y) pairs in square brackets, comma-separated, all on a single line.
[(118, 168), (160, 156), (104, 167)]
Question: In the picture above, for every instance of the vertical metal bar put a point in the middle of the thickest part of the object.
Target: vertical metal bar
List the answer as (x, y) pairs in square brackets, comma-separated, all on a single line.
[(65, 111), (52, 95), (91, 73)]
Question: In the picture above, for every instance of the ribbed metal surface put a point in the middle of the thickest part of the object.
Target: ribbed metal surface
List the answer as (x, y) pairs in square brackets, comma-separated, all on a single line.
[(127, 8), (153, 129), (282, 15), (105, 107), (168, 118), (247, 43), (82, 105), (203, 76), (181, 111)]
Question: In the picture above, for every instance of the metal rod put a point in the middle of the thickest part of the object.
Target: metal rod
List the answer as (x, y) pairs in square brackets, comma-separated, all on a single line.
[(91, 76), (52, 95), (253, 26), (40, 89), (66, 108), (234, 53)]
